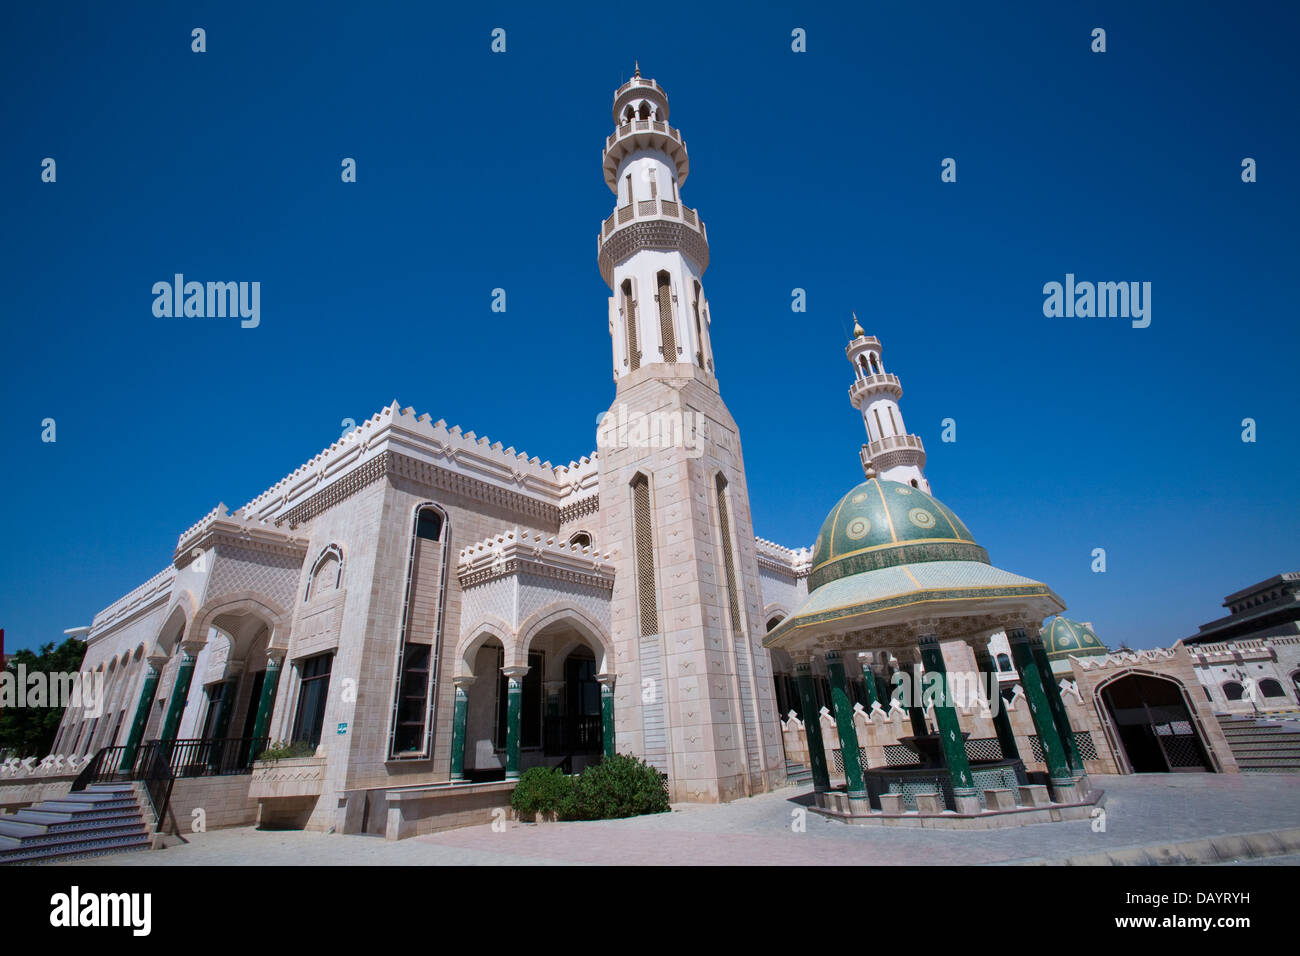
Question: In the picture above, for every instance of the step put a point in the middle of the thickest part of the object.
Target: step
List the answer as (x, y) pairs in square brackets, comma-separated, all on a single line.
[(91, 796), (9, 826), (77, 807), (66, 851), (32, 815), (135, 828)]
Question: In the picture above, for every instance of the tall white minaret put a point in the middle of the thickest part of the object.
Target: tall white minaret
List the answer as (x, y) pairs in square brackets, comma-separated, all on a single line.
[(653, 249), (693, 694), (890, 452)]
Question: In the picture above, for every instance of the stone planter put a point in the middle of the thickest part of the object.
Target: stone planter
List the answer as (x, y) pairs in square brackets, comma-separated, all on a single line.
[(292, 777)]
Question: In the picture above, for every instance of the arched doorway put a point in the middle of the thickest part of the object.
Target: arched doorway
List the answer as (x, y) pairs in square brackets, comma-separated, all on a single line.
[(1155, 725)]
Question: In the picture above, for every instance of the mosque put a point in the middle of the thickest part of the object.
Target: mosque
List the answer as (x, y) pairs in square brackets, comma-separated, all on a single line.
[(418, 613)]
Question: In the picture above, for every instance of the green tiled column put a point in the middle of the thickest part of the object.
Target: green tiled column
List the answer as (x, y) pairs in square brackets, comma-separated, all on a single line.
[(1058, 764), (459, 722), (1001, 719), (180, 692), (266, 703), (142, 711), (607, 712), (950, 733), (843, 705), (869, 681), (514, 712), (1057, 706), (812, 726)]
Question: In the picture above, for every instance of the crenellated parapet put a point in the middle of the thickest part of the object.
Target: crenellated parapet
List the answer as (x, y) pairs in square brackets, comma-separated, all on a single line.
[(153, 592), (795, 561), (523, 550), (220, 527), (1154, 655)]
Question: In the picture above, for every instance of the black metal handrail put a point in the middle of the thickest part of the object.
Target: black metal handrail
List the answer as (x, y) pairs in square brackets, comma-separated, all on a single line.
[(102, 768), (154, 770)]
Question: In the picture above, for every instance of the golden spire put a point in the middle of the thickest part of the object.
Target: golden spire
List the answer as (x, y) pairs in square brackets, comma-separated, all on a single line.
[(857, 327)]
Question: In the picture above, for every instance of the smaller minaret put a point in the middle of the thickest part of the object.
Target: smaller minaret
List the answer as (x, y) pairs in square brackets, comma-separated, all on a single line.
[(890, 452)]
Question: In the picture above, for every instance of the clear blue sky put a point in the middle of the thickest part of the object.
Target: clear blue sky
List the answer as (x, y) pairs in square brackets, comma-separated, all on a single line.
[(817, 170)]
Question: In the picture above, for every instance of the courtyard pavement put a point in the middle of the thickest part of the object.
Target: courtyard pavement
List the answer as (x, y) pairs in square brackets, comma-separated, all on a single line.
[(1147, 810)]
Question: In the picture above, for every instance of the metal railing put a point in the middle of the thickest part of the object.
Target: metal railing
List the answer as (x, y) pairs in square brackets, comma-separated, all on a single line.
[(158, 763)]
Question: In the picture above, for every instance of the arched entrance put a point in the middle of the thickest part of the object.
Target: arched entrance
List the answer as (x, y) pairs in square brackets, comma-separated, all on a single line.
[(1156, 728)]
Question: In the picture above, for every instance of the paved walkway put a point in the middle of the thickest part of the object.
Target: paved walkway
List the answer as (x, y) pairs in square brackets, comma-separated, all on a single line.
[(1141, 810)]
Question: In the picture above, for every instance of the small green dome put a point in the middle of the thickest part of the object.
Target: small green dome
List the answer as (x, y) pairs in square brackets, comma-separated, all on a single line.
[(881, 524), (1063, 637)]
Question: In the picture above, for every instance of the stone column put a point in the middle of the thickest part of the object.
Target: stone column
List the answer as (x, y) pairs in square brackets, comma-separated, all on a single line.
[(142, 711), (181, 690), (266, 703), (1055, 704), (812, 725), (843, 705), (1001, 719), (514, 711), (965, 799), (1058, 764), (459, 722), (607, 713)]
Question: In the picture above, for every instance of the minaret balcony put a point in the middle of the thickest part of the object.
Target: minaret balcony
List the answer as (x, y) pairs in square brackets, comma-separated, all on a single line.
[(873, 384), (644, 134), (891, 452), (651, 224), (895, 443)]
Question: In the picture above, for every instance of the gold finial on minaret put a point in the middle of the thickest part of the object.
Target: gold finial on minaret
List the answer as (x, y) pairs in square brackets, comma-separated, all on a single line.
[(858, 331), (637, 71)]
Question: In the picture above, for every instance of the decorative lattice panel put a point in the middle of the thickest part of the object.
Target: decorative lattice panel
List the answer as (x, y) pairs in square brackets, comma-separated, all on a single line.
[(983, 748), (1182, 750), (837, 760), (896, 755), (999, 778), (1087, 748), (645, 567), (666, 333), (1082, 741)]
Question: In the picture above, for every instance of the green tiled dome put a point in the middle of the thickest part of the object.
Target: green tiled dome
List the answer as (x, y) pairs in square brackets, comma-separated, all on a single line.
[(1063, 637), (881, 524)]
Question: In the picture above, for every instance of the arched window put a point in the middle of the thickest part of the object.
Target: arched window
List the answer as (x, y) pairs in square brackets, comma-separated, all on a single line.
[(664, 296), (914, 484), (629, 314), (645, 110), (326, 573), (643, 540), (1232, 690), (1271, 688), (581, 539), (699, 329), (728, 561), (773, 622), (1004, 661), (628, 114), (875, 366), (417, 672)]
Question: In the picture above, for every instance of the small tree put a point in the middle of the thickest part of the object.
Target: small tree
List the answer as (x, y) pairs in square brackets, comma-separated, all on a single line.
[(30, 731)]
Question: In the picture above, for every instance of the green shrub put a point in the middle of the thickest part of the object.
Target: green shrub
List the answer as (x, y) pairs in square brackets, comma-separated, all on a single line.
[(541, 790), (618, 786), (281, 750)]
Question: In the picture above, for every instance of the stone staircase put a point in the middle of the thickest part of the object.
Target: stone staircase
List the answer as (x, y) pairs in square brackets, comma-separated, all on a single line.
[(103, 818), (1261, 745), (796, 774)]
